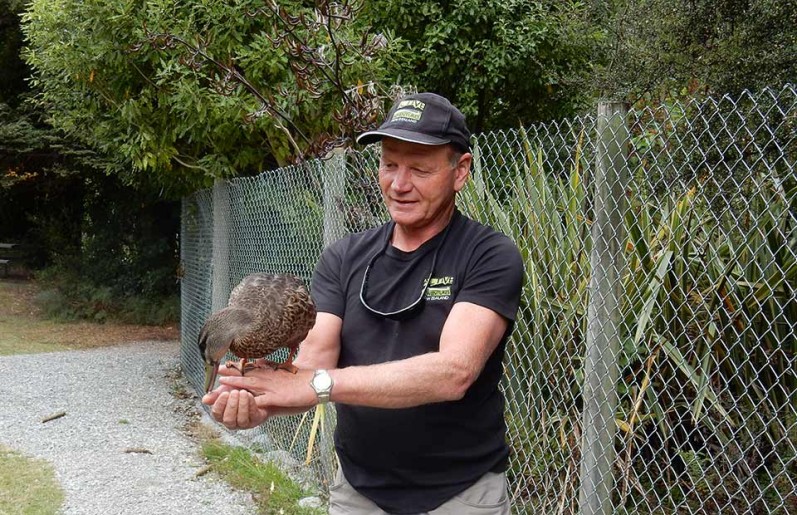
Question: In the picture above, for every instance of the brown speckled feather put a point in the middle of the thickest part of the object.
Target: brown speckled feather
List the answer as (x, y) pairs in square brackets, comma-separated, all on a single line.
[(283, 313)]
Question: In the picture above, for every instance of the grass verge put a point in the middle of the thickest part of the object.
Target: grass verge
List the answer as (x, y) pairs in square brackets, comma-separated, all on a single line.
[(27, 485), (272, 490)]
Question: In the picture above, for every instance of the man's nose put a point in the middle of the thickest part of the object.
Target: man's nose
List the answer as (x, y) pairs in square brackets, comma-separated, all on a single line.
[(402, 181)]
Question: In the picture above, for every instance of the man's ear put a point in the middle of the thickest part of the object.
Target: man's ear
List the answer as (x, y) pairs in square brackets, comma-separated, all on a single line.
[(462, 171)]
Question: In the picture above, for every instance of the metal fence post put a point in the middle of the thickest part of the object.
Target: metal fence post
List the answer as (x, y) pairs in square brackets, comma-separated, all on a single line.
[(220, 263), (603, 315), (334, 176)]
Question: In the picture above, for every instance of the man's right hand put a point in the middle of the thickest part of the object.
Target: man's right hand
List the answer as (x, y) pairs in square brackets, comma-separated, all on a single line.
[(236, 409)]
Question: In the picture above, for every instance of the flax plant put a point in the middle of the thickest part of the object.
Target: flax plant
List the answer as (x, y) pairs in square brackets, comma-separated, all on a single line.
[(708, 334), (546, 217), (709, 293)]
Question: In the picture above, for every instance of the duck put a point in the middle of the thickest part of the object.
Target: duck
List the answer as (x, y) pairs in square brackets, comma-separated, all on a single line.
[(265, 312)]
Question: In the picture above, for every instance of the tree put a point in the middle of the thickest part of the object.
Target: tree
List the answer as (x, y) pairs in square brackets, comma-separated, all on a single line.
[(105, 242), (504, 62), (38, 185), (14, 69), (719, 47), (168, 89)]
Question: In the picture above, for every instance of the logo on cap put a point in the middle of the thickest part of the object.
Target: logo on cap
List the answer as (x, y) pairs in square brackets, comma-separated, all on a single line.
[(408, 111)]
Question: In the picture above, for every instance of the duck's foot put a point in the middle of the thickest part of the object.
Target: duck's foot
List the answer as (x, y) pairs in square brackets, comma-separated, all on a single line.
[(242, 366), (288, 365)]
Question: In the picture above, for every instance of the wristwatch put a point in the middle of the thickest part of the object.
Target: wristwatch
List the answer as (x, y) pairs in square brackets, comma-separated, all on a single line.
[(322, 384)]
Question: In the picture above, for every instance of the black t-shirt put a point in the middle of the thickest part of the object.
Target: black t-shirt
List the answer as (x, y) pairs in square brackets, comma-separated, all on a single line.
[(412, 460)]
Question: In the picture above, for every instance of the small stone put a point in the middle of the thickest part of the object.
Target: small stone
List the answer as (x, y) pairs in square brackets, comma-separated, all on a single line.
[(311, 502)]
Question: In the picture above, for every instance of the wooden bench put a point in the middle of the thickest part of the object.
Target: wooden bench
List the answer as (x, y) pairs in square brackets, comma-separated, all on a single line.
[(5, 261)]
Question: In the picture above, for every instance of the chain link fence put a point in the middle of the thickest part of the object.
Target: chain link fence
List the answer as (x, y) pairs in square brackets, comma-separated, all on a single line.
[(653, 367)]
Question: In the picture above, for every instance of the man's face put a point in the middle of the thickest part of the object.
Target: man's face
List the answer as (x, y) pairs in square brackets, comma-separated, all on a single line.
[(419, 182)]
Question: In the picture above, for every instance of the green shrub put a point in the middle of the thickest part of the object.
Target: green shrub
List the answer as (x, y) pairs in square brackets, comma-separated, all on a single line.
[(68, 296), (150, 311)]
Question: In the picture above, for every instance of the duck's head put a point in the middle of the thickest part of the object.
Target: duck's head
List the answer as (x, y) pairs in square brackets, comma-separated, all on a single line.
[(217, 335)]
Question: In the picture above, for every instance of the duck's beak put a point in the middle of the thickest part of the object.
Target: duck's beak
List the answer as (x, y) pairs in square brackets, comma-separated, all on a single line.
[(211, 371)]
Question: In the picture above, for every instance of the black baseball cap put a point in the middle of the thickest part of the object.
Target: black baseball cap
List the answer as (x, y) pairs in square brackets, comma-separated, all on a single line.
[(425, 118)]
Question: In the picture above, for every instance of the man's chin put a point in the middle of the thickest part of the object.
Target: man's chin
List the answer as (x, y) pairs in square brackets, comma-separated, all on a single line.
[(404, 219), (403, 213)]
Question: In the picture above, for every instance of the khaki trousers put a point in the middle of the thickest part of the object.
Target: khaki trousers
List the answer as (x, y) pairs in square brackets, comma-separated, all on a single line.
[(488, 496)]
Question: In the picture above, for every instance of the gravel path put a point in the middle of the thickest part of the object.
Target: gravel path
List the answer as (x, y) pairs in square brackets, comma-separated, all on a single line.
[(116, 399)]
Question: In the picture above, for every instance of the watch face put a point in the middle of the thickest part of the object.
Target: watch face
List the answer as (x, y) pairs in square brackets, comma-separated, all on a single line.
[(322, 381)]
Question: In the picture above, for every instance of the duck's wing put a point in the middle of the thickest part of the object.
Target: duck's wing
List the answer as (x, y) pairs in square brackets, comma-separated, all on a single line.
[(298, 316), (256, 291), (282, 306), (259, 294)]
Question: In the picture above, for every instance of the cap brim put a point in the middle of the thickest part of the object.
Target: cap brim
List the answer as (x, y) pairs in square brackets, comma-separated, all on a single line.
[(369, 137)]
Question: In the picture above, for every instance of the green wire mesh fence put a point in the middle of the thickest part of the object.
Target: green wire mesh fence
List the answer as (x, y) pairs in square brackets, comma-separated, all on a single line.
[(652, 368)]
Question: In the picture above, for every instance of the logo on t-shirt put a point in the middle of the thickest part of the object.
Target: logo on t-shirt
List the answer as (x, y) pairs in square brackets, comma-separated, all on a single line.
[(439, 288)]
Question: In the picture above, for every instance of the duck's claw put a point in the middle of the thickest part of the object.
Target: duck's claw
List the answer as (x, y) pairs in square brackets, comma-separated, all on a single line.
[(290, 367), (242, 366)]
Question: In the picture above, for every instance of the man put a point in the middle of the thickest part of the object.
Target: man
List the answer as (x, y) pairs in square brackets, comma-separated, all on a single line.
[(413, 317)]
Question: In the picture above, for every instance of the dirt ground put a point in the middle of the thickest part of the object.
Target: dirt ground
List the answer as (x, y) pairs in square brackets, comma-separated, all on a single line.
[(17, 304)]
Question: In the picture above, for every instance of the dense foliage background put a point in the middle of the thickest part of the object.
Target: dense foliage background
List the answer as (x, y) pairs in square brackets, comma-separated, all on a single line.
[(110, 111)]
